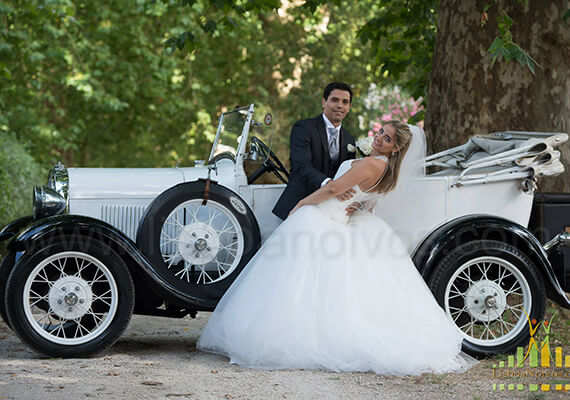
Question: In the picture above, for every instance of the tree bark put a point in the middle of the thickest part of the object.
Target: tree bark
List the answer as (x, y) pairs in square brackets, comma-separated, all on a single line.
[(468, 97)]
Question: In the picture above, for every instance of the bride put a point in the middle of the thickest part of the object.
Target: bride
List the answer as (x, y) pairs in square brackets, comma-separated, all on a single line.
[(338, 291)]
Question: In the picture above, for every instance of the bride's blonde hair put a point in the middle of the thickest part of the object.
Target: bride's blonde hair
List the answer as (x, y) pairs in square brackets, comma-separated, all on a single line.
[(402, 141)]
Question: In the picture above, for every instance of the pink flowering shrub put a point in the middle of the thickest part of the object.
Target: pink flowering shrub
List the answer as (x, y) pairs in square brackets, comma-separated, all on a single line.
[(384, 104)]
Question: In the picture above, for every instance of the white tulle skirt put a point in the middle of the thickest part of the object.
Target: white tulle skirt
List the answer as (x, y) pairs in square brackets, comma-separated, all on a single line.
[(342, 297)]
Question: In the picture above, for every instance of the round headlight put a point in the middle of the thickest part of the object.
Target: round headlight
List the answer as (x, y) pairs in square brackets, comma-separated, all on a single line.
[(47, 202)]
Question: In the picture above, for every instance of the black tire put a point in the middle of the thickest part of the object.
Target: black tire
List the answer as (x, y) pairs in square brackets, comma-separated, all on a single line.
[(191, 254), (5, 268), (72, 300), (483, 286)]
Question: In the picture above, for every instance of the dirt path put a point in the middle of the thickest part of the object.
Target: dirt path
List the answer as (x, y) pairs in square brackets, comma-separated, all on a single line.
[(157, 359)]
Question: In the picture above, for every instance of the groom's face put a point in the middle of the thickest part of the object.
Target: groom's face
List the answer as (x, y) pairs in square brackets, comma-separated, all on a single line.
[(336, 106)]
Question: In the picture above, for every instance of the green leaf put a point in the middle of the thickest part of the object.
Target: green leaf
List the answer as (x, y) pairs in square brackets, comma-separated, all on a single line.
[(171, 42), (521, 59), (183, 39), (263, 5), (531, 63), (6, 72), (311, 5), (530, 66), (5, 8), (566, 16), (417, 117), (505, 23), (221, 3), (512, 51), (497, 43), (210, 26), (364, 34), (507, 50)]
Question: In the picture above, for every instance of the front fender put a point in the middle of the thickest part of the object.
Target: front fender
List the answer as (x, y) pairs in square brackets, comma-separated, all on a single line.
[(14, 227), (76, 229), (484, 227)]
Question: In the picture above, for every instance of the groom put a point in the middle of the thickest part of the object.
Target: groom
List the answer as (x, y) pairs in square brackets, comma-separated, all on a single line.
[(317, 146)]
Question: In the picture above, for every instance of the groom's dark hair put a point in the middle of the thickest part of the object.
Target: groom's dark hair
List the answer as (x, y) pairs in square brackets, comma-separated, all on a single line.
[(336, 85)]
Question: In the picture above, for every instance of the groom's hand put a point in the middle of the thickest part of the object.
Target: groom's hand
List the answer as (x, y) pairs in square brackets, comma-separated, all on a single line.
[(352, 207), (346, 195)]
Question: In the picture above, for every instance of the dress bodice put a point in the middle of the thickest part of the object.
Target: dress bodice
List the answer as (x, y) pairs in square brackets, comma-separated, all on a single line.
[(335, 208)]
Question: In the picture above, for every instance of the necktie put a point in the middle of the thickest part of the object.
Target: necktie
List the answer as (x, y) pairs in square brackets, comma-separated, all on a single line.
[(333, 143)]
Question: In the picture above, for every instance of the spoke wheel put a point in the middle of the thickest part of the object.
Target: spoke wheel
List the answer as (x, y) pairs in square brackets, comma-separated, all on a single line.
[(70, 303), (70, 298), (487, 288), (201, 243), (199, 248), (490, 294)]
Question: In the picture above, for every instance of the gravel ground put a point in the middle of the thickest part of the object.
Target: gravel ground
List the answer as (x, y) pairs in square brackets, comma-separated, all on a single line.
[(157, 359)]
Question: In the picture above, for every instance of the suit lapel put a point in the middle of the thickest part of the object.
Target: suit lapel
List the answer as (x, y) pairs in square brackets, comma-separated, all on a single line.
[(324, 141), (343, 141)]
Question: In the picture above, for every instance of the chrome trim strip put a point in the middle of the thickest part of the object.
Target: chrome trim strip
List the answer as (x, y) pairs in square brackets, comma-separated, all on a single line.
[(58, 180)]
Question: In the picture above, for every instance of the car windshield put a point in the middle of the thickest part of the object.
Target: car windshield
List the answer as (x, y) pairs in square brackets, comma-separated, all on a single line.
[(231, 130)]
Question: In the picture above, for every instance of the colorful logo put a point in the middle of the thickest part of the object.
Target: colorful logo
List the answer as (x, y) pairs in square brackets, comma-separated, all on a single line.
[(536, 362)]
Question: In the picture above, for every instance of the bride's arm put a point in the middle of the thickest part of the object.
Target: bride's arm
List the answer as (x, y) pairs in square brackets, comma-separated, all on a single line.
[(365, 170)]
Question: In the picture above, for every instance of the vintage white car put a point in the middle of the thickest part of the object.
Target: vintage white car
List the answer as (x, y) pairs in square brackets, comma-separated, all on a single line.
[(103, 244)]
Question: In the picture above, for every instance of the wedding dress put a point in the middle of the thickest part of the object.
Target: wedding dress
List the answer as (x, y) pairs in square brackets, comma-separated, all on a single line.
[(331, 292)]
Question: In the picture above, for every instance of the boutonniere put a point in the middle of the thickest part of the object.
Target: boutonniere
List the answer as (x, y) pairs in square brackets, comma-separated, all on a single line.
[(363, 144)]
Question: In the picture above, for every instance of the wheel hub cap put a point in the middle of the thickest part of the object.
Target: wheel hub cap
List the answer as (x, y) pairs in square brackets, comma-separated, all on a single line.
[(490, 302), (70, 297), (485, 300), (198, 243), (201, 244)]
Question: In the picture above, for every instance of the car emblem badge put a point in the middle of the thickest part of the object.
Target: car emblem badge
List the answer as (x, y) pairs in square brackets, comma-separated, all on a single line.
[(238, 205), (268, 119)]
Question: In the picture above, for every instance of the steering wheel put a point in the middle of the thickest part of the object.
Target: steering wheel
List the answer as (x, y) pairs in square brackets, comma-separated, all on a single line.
[(270, 163)]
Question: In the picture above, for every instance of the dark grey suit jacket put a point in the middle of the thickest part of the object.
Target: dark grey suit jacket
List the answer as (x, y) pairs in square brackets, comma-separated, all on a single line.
[(310, 161)]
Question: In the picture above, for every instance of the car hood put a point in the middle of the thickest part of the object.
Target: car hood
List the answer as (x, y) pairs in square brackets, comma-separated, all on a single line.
[(97, 183)]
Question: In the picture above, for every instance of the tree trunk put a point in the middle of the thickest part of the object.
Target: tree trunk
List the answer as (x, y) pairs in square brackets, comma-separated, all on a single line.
[(468, 97)]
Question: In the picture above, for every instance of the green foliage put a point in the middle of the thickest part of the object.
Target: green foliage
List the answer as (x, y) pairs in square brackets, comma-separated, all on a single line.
[(279, 60), (208, 15), (19, 172), (91, 84), (402, 34), (503, 47), (312, 5), (566, 16)]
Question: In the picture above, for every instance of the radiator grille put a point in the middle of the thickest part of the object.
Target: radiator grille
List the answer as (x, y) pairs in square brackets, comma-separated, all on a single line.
[(126, 218)]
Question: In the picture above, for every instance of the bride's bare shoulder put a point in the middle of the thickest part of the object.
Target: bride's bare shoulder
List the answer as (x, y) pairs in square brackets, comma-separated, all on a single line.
[(371, 163), (374, 161)]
